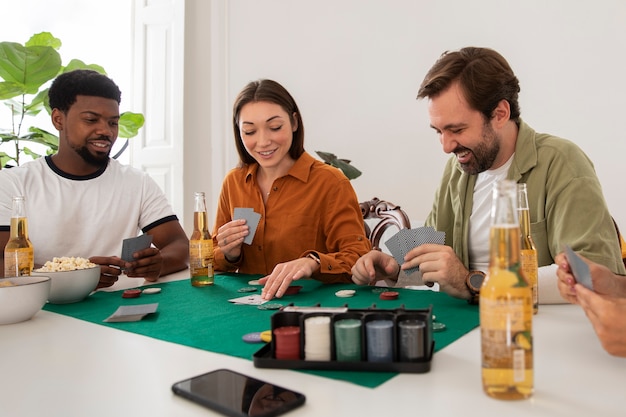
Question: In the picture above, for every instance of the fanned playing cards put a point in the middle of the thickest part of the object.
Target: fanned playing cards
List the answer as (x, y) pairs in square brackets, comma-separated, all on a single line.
[(406, 239)]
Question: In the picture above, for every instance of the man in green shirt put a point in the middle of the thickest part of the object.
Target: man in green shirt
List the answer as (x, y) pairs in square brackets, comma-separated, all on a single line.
[(473, 106)]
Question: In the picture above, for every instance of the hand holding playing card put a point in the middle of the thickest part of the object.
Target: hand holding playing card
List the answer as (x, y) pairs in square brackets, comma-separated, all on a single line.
[(135, 244), (580, 269), (406, 239), (252, 220)]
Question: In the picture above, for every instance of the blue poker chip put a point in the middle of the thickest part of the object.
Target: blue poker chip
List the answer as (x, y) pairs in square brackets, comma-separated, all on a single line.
[(254, 337)]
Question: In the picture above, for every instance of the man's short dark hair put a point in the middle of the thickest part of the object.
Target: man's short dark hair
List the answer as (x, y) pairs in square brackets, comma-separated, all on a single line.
[(67, 86)]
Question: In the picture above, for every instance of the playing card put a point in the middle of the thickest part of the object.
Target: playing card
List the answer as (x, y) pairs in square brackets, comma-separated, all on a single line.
[(579, 268), (252, 220), (253, 300), (393, 245), (134, 244), (132, 313)]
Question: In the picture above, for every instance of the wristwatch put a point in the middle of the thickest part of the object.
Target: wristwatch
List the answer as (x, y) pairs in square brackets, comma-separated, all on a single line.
[(473, 281), (314, 256)]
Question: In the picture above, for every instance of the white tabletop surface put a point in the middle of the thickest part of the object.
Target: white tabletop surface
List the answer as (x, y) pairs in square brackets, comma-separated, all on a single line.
[(54, 365)]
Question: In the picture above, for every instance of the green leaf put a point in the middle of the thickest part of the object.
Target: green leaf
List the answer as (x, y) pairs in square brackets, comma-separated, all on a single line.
[(10, 89), (43, 137), (29, 67), (75, 64), (37, 104), (44, 39), (129, 124), (7, 137), (14, 106), (30, 153), (5, 158), (349, 171)]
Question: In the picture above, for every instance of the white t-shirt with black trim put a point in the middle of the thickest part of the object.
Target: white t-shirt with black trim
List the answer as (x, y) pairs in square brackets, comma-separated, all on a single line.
[(82, 216)]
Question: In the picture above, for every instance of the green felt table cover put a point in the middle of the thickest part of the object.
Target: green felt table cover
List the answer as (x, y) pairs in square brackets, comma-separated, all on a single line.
[(203, 318)]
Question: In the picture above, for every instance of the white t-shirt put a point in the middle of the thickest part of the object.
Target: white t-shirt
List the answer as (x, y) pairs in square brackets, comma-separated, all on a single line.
[(480, 220), (82, 216)]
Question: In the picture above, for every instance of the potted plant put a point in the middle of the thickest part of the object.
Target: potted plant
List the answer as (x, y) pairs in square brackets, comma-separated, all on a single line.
[(26, 71)]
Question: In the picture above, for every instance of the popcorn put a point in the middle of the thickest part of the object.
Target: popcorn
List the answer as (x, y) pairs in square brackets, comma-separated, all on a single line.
[(66, 264)]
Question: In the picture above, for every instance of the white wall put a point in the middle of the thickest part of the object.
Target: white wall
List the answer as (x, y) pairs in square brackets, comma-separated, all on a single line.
[(354, 67)]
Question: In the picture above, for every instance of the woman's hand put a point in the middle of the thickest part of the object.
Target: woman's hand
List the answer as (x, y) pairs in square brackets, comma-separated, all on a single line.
[(230, 237)]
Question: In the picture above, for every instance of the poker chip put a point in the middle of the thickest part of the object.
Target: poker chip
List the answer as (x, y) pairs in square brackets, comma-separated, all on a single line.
[(293, 289), (437, 327), (389, 295), (254, 282), (378, 290), (247, 289), (254, 337), (152, 290), (270, 306), (266, 336), (345, 293), (131, 293)]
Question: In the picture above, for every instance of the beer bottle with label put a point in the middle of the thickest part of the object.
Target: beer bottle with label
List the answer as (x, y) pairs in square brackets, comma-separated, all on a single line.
[(506, 309), (19, 256), (201, 246), (528, 249)]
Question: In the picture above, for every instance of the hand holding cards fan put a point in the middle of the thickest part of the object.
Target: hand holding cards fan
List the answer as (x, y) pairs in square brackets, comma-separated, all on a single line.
[(406, 239)]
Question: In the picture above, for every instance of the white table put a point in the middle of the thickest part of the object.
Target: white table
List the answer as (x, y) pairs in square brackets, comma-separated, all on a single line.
[(54, 365)]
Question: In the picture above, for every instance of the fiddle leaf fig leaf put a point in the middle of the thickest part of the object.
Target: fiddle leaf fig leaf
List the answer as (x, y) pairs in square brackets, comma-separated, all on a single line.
[(75, 64), (28, 67), (129, 124)]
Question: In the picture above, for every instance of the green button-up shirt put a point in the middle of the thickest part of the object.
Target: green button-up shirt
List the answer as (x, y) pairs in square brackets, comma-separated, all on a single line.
[(564, 196)]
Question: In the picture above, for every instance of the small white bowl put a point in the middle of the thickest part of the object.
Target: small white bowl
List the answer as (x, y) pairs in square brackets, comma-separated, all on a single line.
[(22, 300), (71, 286)]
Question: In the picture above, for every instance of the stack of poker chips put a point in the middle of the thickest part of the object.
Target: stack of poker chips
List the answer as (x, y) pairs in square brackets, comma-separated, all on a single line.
[(317, 338), (411, 340), (348, 340), (287, 342), (379, 340)]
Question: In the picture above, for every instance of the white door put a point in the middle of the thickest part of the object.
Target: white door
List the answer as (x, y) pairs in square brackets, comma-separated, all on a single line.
[(158, 65)]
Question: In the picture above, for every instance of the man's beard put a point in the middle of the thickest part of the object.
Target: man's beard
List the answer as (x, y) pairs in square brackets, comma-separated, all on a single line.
[(485, 153), (100, 160)]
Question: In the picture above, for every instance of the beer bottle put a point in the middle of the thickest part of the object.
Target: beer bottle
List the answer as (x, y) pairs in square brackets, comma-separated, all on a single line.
[(201, 246), (19, 256), (528, 249), (506, 310)]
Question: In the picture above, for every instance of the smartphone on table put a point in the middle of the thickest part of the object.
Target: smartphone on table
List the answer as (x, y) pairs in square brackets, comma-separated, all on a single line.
[(238, 395)]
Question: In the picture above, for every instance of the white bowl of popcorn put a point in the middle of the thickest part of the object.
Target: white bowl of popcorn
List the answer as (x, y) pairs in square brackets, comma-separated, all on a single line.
[(22, 297), (72, 279)]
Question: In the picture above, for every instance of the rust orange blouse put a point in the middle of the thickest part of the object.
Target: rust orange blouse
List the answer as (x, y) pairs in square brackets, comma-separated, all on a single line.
[(311, 209)]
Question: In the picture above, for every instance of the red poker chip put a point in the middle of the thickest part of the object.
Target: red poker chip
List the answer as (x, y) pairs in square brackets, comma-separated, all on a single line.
[(389, 295), (293, 289), (131, 293)]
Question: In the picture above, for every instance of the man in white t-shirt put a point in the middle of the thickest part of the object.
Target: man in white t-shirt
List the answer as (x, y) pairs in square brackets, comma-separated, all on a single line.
[(82, 203)]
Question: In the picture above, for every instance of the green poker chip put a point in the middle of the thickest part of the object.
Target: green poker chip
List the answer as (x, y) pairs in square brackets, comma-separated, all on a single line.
[(270, 306), (378, 290), (437, 327), (247, 289)]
